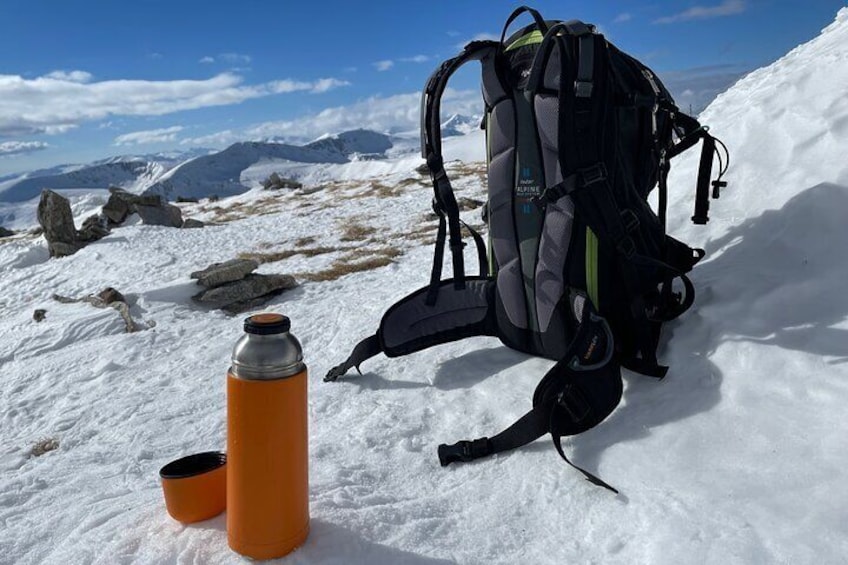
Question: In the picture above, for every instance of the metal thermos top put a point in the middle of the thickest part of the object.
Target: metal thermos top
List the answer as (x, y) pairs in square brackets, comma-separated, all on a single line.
[(267, 350)]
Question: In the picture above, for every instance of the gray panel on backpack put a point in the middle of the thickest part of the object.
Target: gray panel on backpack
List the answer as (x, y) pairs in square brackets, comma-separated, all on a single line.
[(501, 217), (547, 114), (510, 288), (412, 319), (553, 251)]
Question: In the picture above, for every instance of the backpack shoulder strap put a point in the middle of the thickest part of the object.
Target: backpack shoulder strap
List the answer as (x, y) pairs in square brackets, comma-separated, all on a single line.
[(576, 394), (444, 202)]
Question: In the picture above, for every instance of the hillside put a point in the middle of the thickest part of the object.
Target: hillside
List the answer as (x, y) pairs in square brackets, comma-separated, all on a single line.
[(221, 173), (736, 457)]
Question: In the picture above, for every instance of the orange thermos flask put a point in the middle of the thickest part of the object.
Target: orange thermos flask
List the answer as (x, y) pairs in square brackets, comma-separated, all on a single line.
[(267, 459)]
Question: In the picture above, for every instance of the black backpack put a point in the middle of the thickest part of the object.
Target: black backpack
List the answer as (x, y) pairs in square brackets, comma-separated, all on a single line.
[(579, 268)]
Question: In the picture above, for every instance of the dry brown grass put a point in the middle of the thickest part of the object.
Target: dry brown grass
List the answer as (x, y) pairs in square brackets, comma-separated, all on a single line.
[(43, 446), (240, 210), (274, 256), (356, 232), (356, 261)]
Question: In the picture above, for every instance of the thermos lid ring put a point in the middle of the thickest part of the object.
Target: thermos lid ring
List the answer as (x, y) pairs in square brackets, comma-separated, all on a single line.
[(267, 324)]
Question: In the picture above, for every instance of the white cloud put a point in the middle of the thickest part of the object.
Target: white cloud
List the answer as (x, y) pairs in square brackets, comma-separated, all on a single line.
[(387, 114), (235, 58), (18, 147), (391, 113), (218, 139), (162, 135), (726, 8), (383, 65), (70, 76), (416, 59), (55, 105), (623, 17), (207, 60)]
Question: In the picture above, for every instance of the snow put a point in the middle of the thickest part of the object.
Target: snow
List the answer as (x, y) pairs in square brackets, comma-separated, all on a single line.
[(736, 457)]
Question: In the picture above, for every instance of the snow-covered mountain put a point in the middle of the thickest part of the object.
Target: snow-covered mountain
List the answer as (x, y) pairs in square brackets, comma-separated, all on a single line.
[(459, 124), (221, 173), (736, 457), (131, 172)]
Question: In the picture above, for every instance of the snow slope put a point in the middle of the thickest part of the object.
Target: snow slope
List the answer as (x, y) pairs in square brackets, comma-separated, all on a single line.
[(736, 457)]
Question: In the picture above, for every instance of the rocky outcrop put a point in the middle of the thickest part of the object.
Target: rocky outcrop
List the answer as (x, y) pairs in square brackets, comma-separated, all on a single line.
[(5, 233), (57, 220), (234, 288), (152, 209), (276, 182), (217, 274)]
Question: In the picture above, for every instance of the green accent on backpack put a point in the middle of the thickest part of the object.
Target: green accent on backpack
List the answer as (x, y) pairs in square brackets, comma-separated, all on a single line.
[(529, 39)]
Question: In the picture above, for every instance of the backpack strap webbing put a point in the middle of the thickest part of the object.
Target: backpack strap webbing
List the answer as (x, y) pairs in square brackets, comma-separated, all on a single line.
[(576, 394), (444, 202)]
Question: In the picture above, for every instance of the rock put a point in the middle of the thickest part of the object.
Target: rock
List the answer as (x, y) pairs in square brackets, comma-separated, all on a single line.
[(163, 214), (244, 306), (5, 233), (36, 231), (192, 223), (219, 273), (213, 198), (187, 199), (276, 182), (152, 208), (93, 228), (423, 169), (109, 295), (54, 215), (246, 290), (39, 315), (466, 203), (116, 209)]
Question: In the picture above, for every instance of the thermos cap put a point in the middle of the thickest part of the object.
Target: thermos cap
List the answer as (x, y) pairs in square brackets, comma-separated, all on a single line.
[(267, 350), (267, 324)]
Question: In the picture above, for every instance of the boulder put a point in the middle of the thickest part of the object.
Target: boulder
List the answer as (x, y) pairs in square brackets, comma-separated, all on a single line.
[(116, 209), (55, 217), (220, 273), (248, 290), (192, 223), (93, 228), (39, 315), (5, 233), (163, 214), (152, 208)]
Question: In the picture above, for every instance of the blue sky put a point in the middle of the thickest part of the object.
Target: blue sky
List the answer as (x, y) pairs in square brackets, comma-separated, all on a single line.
[(85, 80)]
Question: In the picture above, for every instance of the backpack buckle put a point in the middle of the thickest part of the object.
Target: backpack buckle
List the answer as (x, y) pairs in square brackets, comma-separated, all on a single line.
[(594, 174), (574, 403), (630, 220), (583, 88), (464, 451), (626, 247)]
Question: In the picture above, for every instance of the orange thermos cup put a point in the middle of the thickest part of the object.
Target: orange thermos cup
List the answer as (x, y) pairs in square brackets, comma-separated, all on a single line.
[(267, 458)]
